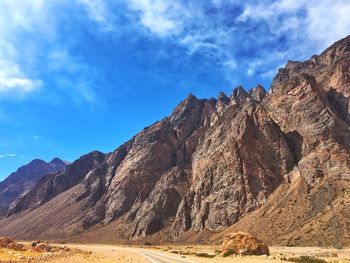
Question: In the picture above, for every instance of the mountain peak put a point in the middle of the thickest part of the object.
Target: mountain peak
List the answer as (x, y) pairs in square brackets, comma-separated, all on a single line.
[(257, 93), (36, 161), (222, 98), (58, 161), (191, 97), (239, 95)]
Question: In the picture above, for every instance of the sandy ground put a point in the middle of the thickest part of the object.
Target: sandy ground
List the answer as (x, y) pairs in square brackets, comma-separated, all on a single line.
[(168, 254)]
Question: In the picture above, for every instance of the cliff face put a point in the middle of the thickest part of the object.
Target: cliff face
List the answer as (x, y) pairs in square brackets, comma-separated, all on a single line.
[(210, 164), (26, 177), (310, 103)]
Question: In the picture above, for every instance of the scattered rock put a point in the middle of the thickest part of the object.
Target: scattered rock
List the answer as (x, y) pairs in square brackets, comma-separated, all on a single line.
[(5, 241), (17, 246), (42, 247)]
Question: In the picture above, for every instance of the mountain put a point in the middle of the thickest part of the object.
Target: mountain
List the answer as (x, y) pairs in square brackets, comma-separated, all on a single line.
[(26, 177), (252, 161)]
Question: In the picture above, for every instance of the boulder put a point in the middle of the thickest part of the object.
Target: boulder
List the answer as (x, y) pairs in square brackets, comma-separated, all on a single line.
[(42, 247), (5, 241), (241, 243), (16, 246)]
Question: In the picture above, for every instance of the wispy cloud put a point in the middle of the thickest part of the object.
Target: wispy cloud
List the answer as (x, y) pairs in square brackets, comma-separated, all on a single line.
[(77, 75), (269, 32), (9, 155), (236, 37), (98, 12)]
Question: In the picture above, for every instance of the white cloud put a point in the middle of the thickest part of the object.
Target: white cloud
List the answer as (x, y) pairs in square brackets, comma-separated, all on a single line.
[(12, 80), (161, 17), (322, 23), (18, 17), (98, 12), (328, 22)]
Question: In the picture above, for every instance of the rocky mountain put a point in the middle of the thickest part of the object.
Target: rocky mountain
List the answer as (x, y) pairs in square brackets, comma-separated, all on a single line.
[(255, 161), (26, 177)]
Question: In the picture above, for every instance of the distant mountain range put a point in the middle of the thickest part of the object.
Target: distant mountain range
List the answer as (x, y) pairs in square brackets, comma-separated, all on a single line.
[(267, 163), (26, 177)]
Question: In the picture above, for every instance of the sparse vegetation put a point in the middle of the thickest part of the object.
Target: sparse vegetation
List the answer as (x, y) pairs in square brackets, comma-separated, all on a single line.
[(217, 251), (307, 259), (229, 252), (205, 255)]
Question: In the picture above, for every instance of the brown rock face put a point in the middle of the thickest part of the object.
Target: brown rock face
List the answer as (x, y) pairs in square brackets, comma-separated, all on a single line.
[(241, 160), (241, 243), (210, 165)]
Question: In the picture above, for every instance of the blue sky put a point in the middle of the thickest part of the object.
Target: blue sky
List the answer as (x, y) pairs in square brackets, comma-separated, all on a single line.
[(82, 75)]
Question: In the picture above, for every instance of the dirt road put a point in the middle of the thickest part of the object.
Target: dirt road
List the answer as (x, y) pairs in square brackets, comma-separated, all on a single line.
[(127, 254)]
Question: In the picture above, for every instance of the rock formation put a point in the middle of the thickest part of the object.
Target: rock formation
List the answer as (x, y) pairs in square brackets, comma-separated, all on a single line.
[(211, 164)]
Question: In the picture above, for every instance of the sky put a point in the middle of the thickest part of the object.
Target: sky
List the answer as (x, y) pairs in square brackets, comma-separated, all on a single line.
[(83, 75)]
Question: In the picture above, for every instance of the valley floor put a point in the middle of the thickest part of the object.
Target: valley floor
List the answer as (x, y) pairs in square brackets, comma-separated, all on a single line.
[(171, 254)]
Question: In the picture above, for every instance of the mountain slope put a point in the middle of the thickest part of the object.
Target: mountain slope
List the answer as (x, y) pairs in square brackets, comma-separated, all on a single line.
[(252, 161), (26, 177)]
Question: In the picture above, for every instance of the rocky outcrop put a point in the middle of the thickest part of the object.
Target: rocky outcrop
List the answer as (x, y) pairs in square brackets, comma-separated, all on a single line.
[(240, 243), (26, 177), (209, 165)]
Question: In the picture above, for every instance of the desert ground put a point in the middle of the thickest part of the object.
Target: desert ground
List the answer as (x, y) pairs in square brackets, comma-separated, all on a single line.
[(77, 253)]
